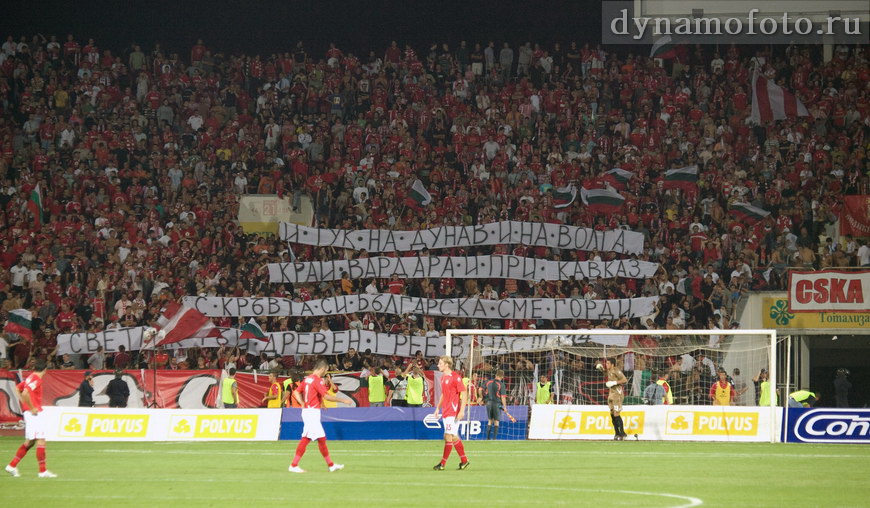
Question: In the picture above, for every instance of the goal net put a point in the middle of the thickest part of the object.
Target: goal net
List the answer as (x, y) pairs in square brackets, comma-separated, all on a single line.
[(566, 361)]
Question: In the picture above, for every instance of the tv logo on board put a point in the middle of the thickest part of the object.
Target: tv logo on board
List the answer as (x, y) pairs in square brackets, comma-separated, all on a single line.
[(473, 427), (826, 426)]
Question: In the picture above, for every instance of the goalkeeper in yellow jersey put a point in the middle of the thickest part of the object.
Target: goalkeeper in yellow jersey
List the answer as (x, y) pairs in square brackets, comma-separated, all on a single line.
[(616, 383)]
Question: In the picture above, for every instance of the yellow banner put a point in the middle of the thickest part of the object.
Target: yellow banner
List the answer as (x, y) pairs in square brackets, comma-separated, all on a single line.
[(103, 425), (595, 422), (775, 314), (262, 213), (213, 426), (711, 423)]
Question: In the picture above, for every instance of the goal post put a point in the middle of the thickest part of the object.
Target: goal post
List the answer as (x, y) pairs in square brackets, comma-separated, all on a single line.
[(690, 359)]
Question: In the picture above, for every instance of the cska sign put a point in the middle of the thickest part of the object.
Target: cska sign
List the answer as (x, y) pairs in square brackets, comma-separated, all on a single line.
[(829, 291)]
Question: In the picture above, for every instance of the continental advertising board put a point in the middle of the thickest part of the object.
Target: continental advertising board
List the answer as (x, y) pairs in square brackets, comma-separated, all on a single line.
[(667, 423), (776, 315), (824, 425), (100, 424)]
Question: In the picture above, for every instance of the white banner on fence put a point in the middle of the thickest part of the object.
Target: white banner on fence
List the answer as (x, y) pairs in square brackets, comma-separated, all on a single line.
[(101, 424), (131, 339), (507, 232), (382, 303), (456, 267), (285, 343), (659, 423)]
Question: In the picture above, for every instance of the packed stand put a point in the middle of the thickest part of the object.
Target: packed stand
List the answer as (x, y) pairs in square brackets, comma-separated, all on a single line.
[(140, 157)]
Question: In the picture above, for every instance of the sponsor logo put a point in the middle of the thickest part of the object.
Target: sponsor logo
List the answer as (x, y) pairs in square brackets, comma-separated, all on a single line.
[(213, 426), (472, 427), (826, 426), (709, 423), (829, 291), (431, 422), (103, 425), (595, 422)]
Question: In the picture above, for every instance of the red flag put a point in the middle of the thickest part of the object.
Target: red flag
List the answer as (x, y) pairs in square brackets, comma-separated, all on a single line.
[(855, 216), (181, 322), (772, 102)]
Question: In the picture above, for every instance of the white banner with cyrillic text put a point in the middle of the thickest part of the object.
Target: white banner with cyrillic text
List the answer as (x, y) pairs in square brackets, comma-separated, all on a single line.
[(456, 267), (286, 343), (557, 236), (382, 303)]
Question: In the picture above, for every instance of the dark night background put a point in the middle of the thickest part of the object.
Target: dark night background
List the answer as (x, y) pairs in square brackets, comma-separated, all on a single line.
[(267, 26)]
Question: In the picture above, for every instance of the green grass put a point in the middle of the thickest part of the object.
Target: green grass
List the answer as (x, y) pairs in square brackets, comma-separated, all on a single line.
[(399, 473)]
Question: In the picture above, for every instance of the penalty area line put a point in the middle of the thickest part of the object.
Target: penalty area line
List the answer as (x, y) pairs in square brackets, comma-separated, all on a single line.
[(688, 501)]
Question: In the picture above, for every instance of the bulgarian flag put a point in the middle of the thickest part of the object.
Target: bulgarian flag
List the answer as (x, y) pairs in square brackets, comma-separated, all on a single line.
[(772, 102), (564, 196), (252, 330), (180, 322), (35, 206), (602, 200), (748, 213), (663, 48), (419, 194), (682, 178), (618, 177), (19, 322)]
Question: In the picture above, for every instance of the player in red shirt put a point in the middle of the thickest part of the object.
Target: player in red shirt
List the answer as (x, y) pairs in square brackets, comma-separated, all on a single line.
[(30, 394), (310, 394), (452, 401)]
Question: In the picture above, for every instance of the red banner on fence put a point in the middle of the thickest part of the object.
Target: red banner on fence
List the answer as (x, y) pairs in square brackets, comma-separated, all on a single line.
[(186, 389), (855, 217)]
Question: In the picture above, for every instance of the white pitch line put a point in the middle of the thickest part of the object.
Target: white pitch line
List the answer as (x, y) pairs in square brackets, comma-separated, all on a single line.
[(690, 501), (597, 453), (687, 501)]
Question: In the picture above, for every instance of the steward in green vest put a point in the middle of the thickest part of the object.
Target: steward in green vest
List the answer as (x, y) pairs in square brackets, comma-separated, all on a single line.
[(377, 388), (543, 393), (766, 392), (230, 390), (414, 391), (803, 398)]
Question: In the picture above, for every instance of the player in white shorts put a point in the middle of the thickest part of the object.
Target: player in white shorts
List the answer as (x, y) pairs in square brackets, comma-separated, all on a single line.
[(310, 393)]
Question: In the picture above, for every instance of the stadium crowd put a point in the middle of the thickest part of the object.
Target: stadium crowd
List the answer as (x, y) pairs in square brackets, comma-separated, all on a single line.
[(140, 157)]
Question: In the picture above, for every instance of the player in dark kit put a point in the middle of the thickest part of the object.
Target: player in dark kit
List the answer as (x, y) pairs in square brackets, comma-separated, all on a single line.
[(616, 382), (495, 396)]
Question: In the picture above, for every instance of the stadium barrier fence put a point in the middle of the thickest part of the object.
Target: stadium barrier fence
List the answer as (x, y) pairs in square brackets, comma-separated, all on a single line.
[(376, 423), (659, 423)]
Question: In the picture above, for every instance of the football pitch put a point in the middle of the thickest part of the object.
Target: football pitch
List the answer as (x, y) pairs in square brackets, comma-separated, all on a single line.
[(399, 473)]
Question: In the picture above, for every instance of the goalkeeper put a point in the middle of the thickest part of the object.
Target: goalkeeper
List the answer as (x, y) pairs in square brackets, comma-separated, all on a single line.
[(615, 383), (495, 397)]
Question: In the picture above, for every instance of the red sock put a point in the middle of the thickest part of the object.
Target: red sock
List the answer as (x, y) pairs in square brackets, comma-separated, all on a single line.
[(22, 451), (300, 450), (460, 449), (448, 447), (40, 457), (321, 443)]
